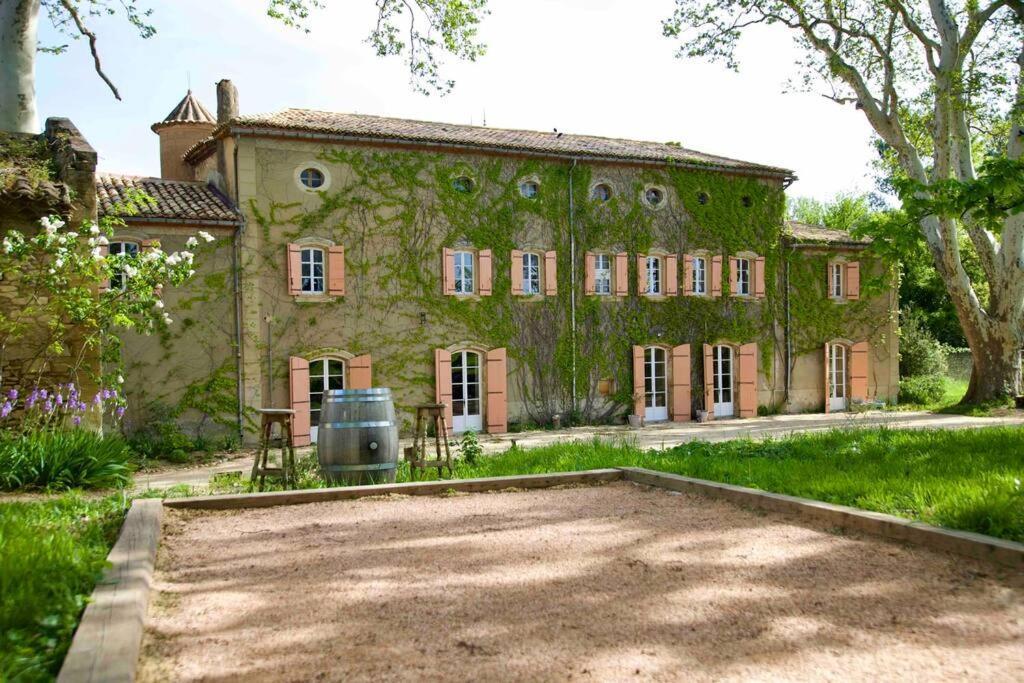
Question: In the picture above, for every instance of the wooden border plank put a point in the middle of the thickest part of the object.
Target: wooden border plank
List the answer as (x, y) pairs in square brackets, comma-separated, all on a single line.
[(978, 546), (424, 488), (106, 644)]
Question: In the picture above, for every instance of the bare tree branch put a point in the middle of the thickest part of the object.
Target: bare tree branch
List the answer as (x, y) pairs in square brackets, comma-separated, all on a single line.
[(92, 45)]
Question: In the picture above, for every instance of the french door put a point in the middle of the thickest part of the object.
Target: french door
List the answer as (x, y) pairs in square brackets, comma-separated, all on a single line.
[(655, 385), (324, 374), (466, 409), (837, 377), (722, 369)]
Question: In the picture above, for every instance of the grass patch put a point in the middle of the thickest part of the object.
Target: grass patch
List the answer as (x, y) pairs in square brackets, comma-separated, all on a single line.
[(62, 460), (51, 555)]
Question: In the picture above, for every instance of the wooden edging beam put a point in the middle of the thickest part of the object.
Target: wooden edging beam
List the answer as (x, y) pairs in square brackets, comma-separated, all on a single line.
[(415, 488), (106, 644), (978, 546)]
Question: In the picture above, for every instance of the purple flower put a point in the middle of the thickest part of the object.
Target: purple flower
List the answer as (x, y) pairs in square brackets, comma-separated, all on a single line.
[(13, 394), (6, 409), (42, 394), (97, 399), (59, 400), (120, 411), (76, 420), (82, 406), (48, 406)]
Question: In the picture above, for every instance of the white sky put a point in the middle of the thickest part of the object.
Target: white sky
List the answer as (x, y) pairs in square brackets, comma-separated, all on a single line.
[(583, 66)]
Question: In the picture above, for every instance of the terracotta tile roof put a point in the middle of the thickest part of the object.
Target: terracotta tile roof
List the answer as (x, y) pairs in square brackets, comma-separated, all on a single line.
[(805, 233), (189, 110), (493, 139), (174, 200)]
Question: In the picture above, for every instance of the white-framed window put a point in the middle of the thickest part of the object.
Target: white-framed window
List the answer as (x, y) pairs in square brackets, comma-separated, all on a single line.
[(603, 274), (743, 276), (312, 270), (531, 273), (529, 189), (836, 281), (654, 285), (118, 279), (312, 178), (325, 374), (654, 196), (601, 192), (700, 275), (464, 280)]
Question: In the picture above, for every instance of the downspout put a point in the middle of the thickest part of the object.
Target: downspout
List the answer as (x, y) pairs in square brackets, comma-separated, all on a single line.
[(789, 323), (572, 284), (236, 266)]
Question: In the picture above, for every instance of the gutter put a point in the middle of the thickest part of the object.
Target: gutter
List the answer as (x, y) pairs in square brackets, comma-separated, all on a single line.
[(183, 222)]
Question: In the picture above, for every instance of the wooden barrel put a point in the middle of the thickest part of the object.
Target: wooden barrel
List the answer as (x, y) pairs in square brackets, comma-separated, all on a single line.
[(357, 439)]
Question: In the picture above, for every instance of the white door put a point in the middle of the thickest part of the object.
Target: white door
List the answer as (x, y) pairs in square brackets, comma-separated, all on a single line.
[(466, 412), (324, 374), (721, 368), (837, 377), (655, 385)]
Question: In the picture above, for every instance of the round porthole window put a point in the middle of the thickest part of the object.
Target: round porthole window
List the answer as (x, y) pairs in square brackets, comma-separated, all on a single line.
[(529, 189), (703, 198), (601, 192), (654, 196), (463, 184), (311, 178)]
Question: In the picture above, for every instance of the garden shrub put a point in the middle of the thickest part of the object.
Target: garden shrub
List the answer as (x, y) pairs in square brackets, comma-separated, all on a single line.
[(922, 389), (920, 352), (470, 449), (63, 459)]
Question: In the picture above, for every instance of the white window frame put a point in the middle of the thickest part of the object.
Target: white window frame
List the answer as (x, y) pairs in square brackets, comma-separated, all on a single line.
[(837, 281), (603, 274), (743, 276), (700, 275), (531, 273), (329, 372), (317, 284), (118, 279), (655, 270), (655, 384), (464, 272)]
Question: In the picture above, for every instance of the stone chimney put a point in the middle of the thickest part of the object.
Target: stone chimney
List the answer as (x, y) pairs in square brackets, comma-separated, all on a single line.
[(188, 123), (227, 109)]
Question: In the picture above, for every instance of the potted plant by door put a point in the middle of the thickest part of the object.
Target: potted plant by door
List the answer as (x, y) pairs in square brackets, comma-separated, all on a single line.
[(635, 421)]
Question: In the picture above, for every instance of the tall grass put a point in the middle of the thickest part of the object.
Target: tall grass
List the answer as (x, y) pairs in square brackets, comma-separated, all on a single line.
[(51, 554), (64, 459)]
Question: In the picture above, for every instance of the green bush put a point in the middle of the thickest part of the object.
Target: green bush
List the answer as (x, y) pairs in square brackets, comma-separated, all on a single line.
[(63, 459), (51, 555), (470, 449), (922, 389), (920, 353)]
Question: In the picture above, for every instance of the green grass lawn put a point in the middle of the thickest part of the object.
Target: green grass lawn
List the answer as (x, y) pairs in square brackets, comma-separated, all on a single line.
[(51, 554)]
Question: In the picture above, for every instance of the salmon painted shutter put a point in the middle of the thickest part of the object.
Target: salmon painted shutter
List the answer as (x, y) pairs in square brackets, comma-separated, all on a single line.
[(336, 271), (486, 269), (550, 273), (759, 277), (681, 383), (859, 371), (360, 373), (497, 391), (639, 397), (641, 274), (448, 271), (716, 276), (298, 389), (671, 275), (621, 274), (853, 280), (709, 382), (589, 273), (443, 382), (748, 380), (687, 275), (294, 269), (828, 383), (517, 272), (733, 275)]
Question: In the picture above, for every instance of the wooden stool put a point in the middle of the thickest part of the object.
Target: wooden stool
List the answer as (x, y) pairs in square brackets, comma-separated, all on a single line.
[(261, 468), (416, 455)]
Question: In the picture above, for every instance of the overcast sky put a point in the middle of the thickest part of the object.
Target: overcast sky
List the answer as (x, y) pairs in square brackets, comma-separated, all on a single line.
[(597, 67)]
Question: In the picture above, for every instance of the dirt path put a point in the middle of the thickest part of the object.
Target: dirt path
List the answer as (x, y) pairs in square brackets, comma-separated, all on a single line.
[(602, 583)]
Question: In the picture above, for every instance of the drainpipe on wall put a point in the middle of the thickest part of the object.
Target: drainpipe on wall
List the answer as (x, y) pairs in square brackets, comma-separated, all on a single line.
[(789, 332), (572, 284), (236, 258)]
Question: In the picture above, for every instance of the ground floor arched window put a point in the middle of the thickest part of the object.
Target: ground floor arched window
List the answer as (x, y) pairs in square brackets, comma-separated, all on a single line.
[(655, 384), (722, 376), (325, 374), (838, 386), (467, 413)]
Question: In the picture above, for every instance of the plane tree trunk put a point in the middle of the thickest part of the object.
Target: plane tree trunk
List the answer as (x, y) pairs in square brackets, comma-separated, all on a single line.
[(19, 20)]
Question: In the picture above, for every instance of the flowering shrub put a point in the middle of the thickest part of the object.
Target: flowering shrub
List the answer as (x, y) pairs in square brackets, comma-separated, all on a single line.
[(46, 410)]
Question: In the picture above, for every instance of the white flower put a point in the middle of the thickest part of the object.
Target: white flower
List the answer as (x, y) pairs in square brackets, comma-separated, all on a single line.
[(188, 256), (129, 270), (72, 234), (159, 287), (158, 303), (191, 242), (120, 379), (191, 273), (52, 271), (94, 229), (59, 262), (7, 245), (102, 240), (97, 253), (206, 236), (167, 319), (51, 224)]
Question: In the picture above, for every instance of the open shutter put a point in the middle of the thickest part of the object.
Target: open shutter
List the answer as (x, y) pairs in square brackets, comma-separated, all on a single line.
[(336, 271), (298, 390), (360, 374), (709, 382), (294, 269), (716, 276), (448, 271), (443, 382), (641, 274), (748, 380), (497, 391), (733, 275), (853, 280), (859, 371), (589, 272), (486, 270), (759, 277), (517, 272), (621, 274), (687, 275), (550, 273), (671, 275), (681, 383), (639, 397), (828, 375)]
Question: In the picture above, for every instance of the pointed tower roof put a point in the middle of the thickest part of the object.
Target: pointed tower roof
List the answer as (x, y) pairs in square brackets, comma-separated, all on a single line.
[(189, 110)]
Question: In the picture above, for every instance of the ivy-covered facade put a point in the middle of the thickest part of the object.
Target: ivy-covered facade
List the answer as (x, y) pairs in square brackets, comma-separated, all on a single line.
[(514, 276)]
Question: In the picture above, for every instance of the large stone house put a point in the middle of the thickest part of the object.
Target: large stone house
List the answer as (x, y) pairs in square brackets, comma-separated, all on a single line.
[(513, 275)]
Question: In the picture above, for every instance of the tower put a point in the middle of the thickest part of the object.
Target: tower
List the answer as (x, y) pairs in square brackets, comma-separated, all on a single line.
[(188, 123)]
